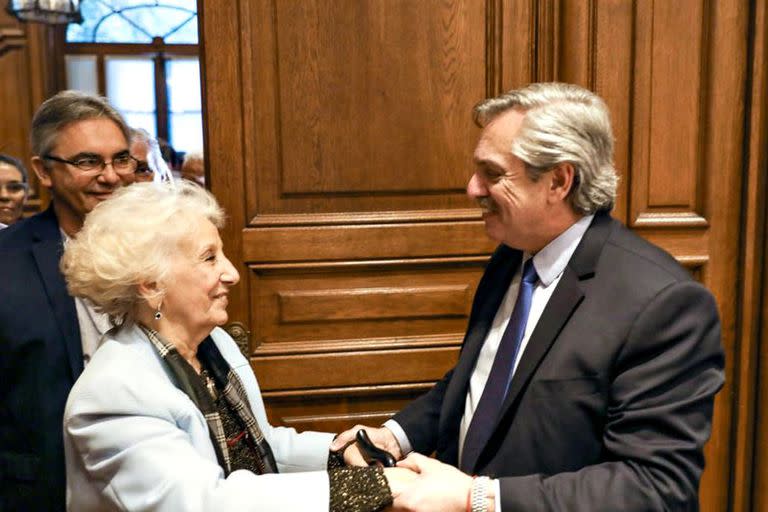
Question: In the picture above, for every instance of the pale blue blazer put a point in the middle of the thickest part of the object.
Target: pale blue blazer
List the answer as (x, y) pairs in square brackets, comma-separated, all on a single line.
[(134, 441)]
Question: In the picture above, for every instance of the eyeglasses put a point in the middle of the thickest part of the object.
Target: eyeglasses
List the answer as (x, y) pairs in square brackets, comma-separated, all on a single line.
[(14, 188), (122, 164)]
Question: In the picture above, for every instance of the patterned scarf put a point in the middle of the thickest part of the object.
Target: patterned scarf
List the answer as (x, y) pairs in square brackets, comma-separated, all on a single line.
[(229, 385)]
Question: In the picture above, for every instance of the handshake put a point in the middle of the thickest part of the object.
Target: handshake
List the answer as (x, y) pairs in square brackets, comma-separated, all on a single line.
[(417, 483)]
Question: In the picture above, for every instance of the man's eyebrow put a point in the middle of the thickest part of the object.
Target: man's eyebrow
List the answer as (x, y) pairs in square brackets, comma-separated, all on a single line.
[(488, 165), (88, 154), (84, 154)]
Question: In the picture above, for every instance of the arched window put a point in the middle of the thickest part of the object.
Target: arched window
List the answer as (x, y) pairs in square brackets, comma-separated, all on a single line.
[(143, 56)]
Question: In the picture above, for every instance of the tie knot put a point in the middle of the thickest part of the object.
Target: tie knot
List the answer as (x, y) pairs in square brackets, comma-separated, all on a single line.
[(529, 272)]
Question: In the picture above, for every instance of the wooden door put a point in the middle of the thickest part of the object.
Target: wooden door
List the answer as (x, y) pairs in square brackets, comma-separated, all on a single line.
[(26, 61), (339, 140)]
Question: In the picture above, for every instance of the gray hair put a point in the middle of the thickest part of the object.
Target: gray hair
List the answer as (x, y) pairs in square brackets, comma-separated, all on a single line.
[(563, 123), (67, 107), (140, 135), (130, 239)]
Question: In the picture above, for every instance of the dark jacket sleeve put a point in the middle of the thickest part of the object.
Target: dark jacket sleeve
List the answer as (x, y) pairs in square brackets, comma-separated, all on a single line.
[(657, 421), (420, 419)]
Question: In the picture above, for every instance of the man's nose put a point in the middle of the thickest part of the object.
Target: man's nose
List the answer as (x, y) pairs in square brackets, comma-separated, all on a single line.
[(476, 188), (108, 174)]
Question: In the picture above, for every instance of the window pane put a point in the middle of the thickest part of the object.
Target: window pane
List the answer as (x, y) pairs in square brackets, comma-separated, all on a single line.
[(135, 21), (81, 73), (187, 131), (187, 34), (131, 89), (92, 13), (183, 84), (184, 103), (138, 120), (116, 29)]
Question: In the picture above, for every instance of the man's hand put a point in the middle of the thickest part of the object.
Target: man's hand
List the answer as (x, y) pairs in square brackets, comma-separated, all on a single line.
[(399, 479), (381, 437), (438, 488)]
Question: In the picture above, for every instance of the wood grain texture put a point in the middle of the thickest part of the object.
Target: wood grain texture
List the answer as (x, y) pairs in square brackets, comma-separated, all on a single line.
[(26, 71), (336, 409), (365, 242), (360, 107), (330, 305), (311, 371), (750, 470)]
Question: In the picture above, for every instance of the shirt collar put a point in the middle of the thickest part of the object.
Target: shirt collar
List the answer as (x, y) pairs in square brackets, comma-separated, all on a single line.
[(552, 259)]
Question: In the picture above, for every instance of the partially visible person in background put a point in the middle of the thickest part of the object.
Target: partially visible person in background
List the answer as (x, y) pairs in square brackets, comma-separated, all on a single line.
[(14, 186), (170, 155), (193, 168), (140, 147)]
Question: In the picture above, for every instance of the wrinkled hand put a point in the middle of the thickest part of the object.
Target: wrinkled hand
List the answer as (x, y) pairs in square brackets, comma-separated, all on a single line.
[(438, 487), (381, 437)]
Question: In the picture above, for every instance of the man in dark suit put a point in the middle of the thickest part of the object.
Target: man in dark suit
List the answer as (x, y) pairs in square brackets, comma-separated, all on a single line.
[(587, 376), (81, 154)]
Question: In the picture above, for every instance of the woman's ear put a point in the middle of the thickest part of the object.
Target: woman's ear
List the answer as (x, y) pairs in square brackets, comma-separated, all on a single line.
[(151, 293)]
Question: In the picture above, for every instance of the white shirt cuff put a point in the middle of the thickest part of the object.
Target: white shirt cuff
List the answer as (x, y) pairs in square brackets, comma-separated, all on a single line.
[(399, 433)]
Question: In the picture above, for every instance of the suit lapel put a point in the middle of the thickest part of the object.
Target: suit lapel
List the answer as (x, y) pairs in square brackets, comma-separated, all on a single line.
[(46, 250), (561, 306), (492, 290)]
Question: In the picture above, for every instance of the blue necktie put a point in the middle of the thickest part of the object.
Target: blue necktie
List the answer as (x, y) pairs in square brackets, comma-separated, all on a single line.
[(486, 414)]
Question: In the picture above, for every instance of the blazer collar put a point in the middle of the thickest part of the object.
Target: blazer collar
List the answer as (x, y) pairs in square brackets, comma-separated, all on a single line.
[(490, 293), (47, 250), (564, 301)]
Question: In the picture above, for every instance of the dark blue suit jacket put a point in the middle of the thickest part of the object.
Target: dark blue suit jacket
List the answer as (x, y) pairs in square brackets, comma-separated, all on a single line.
[(40, 359)]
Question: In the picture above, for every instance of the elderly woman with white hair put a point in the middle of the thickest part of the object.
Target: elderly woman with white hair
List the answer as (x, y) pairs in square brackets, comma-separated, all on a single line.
[(168, 416)]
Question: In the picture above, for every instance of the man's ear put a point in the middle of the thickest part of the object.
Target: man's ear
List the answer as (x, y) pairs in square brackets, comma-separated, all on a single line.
[(43, 174), (563, 180)]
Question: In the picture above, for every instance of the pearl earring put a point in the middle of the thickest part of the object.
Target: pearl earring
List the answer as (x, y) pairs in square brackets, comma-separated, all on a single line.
[(158, 314)]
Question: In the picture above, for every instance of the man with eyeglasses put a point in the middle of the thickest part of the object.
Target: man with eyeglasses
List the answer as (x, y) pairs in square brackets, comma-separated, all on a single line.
[(80, 143)]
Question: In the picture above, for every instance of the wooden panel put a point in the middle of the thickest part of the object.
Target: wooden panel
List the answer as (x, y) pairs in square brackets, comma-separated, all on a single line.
[(372, 367), (365, 303), (667, 132), (362, 106), (751, 439), (352, 110), (15, 88), (318, 307), (25, 81), (365, 242), (335, 409)]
